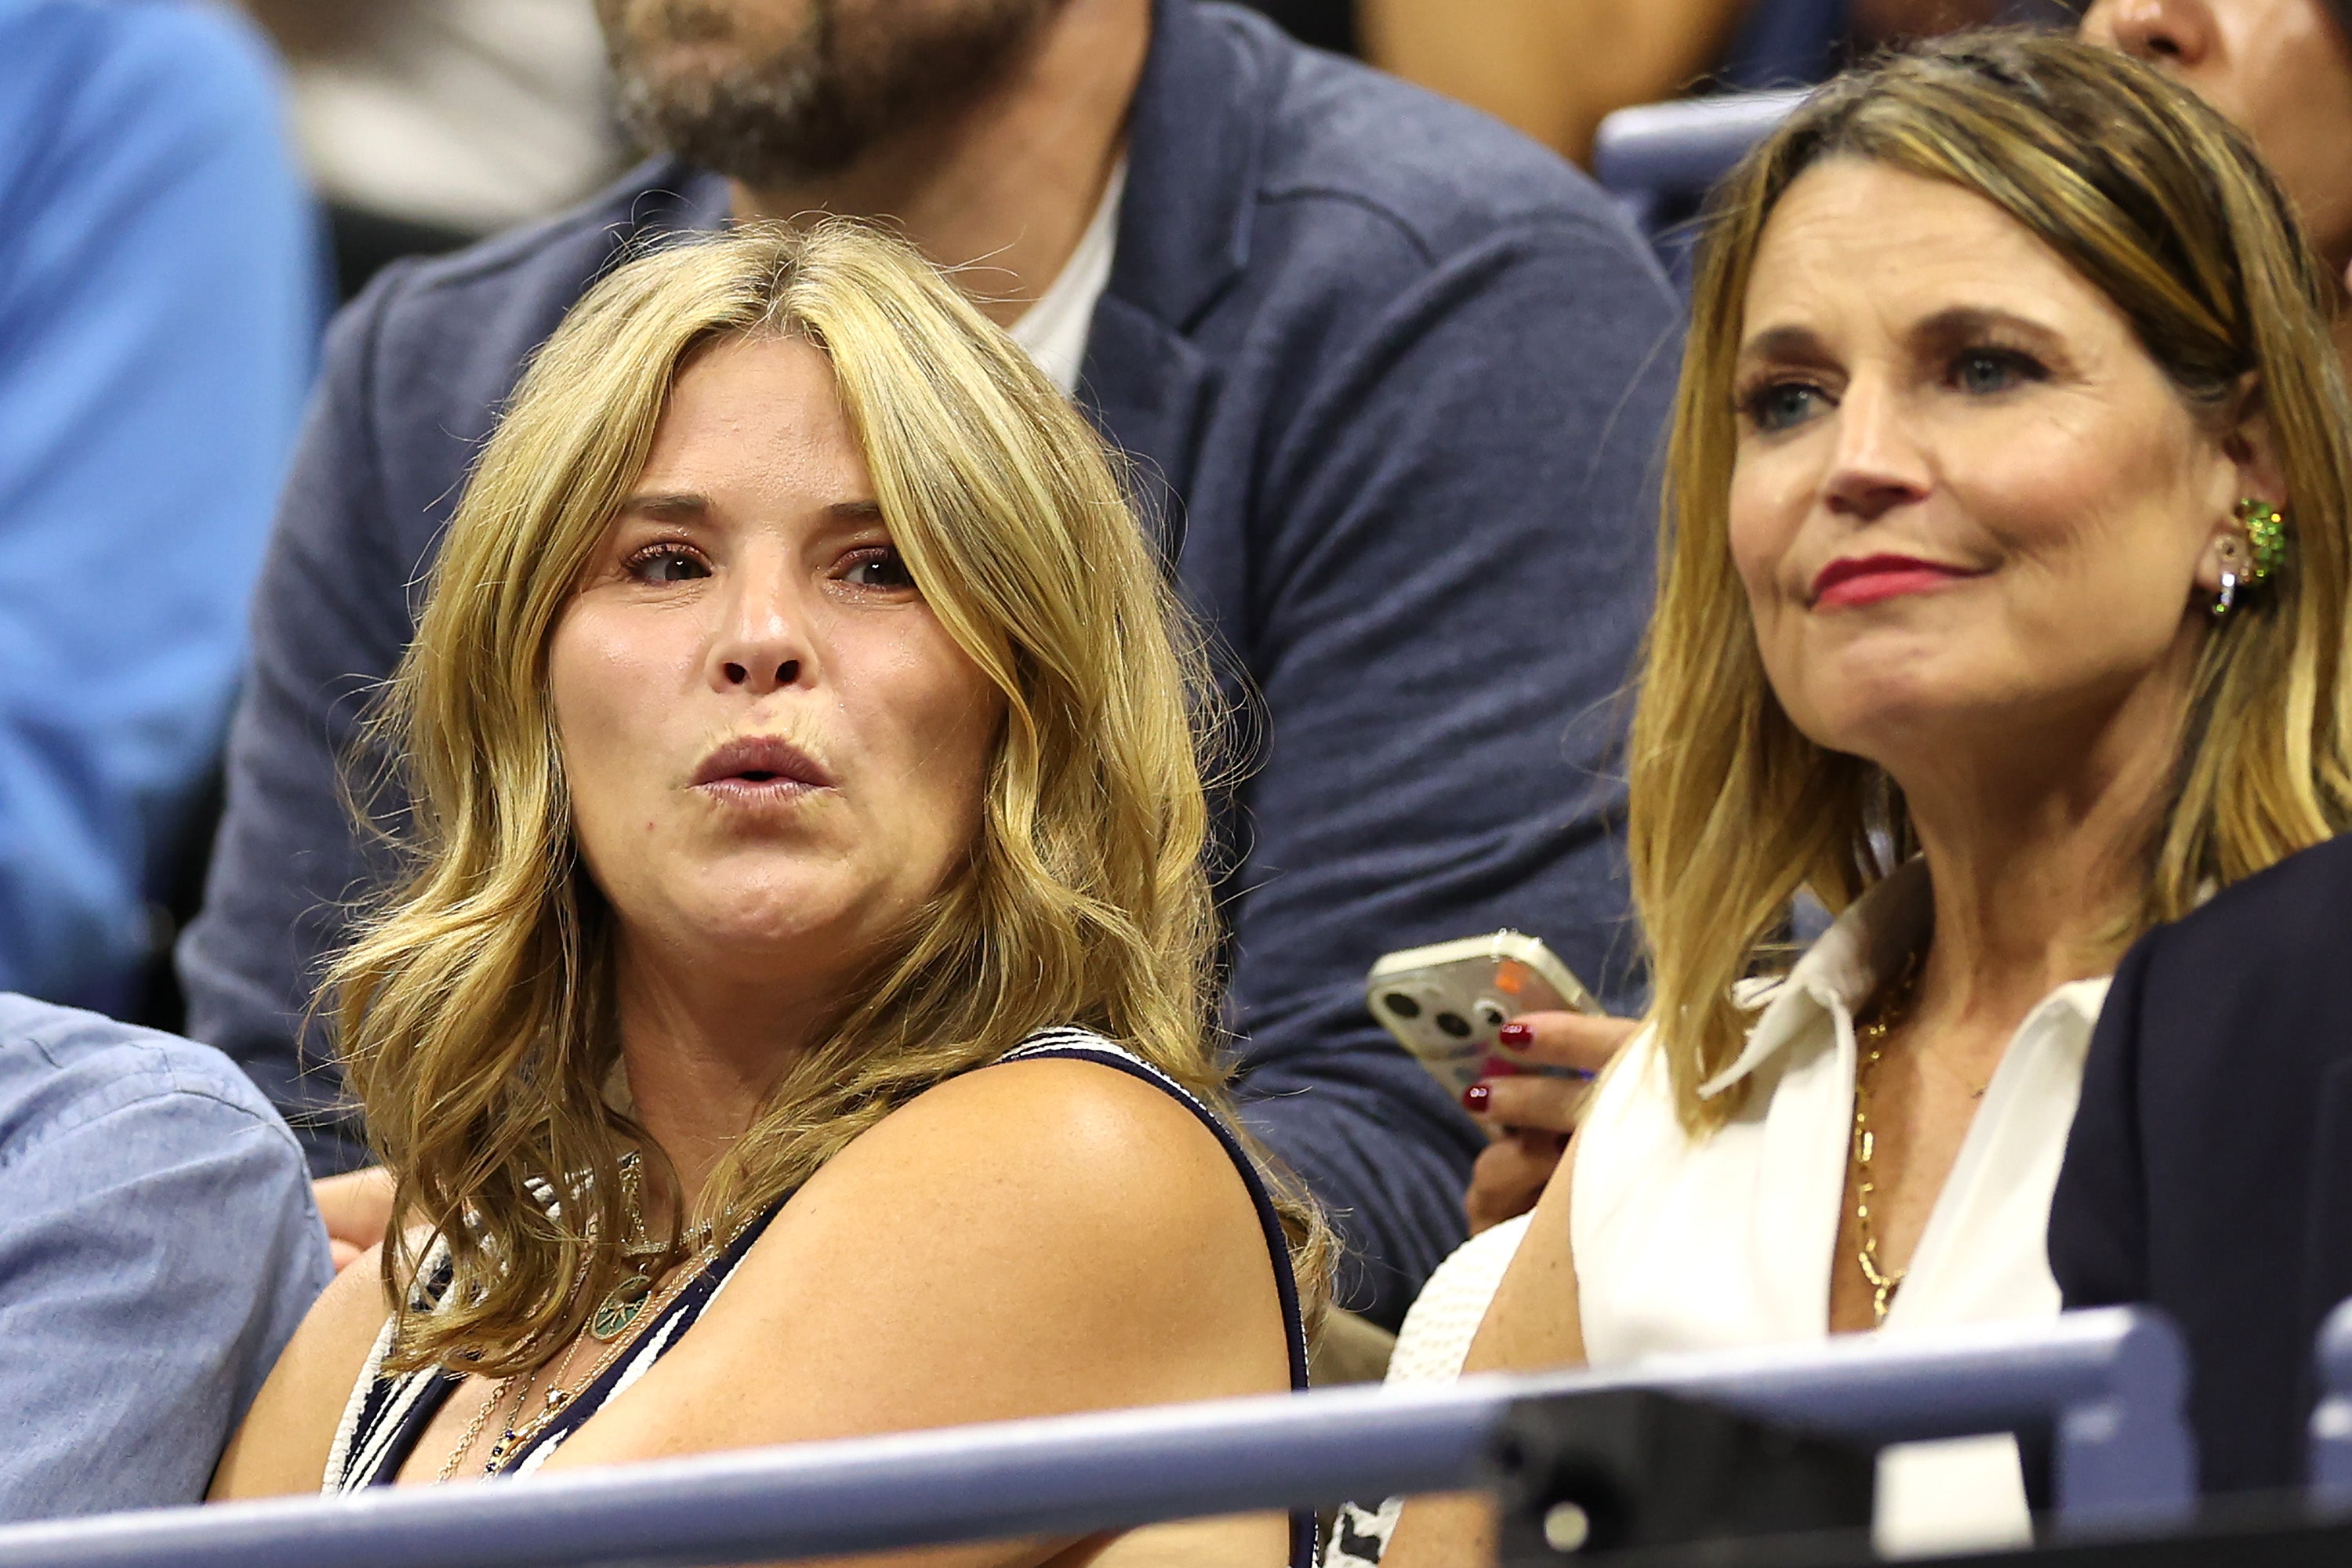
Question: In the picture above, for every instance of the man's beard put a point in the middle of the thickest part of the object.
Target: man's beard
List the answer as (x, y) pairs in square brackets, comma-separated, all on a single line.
[(811, 106)]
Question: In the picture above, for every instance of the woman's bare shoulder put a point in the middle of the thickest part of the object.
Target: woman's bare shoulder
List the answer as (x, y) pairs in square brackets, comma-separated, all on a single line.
[(1029, 1239), (282, 1447), (1092, 1142)]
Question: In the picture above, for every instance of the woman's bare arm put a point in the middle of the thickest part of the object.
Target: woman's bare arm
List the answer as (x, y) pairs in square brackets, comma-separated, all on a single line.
[(1553, 68), (282, 1447), (1533, 1325)]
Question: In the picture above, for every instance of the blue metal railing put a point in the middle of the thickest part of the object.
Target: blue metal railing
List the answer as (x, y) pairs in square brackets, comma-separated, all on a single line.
[(2109, 1383)]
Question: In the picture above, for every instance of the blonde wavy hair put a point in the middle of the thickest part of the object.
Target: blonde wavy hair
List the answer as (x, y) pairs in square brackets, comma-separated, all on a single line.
[(475, 1008), (2159, 203)]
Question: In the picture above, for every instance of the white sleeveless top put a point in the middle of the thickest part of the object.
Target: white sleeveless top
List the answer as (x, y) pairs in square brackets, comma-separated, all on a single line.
[(1730, 1239)]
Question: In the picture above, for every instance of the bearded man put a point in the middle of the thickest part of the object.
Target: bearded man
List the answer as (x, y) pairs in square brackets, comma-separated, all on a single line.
[(1394, 379)]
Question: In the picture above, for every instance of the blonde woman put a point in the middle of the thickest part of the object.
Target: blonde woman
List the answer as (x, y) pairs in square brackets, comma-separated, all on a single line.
[(791, 1024), (2004, 611)]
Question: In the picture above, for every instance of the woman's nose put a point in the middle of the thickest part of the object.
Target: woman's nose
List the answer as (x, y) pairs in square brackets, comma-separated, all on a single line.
[(2162, 32), (1877, 464), (757, 675), (762, 644)]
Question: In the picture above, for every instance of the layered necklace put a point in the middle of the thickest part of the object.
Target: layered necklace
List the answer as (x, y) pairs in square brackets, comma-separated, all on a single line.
[(1870, 1044), (626, 1304)]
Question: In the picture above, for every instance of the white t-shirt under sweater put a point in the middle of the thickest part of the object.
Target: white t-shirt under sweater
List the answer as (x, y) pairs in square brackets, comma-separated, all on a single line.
[(1055, 328), (1731, 1239)]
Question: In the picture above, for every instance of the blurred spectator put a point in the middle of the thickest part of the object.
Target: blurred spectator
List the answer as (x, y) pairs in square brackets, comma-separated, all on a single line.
[(160, 317), (1556, 68), (430, 123), (1394, 375), (157, 1250), (2282, 69)]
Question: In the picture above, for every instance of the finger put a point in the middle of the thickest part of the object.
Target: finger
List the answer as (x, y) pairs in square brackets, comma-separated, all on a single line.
[(1549, 1146), (1580, 1041), (344, 1253), (1546, 1104), (1506, 1181)]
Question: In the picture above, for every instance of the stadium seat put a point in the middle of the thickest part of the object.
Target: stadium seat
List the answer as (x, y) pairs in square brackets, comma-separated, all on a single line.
[(1660, 159), (2109, 1384), (1654, 152)]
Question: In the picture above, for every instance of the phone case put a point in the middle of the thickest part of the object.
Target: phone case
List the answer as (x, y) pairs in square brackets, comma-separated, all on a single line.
[(1446, 1003)]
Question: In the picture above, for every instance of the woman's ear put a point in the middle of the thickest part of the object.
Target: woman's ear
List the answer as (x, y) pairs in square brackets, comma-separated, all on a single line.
[(2248, 470), (2225, 553), (2251, 446)]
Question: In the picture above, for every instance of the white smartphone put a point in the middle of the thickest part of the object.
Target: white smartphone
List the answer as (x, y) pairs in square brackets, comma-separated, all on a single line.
[(1446, 1003)]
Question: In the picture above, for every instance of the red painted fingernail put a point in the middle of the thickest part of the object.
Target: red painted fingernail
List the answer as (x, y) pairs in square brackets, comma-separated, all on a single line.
[(1518, 1037), (1474, 1099)]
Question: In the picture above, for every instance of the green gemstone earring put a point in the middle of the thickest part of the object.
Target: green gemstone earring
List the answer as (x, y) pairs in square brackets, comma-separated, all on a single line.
[(2265, 538)]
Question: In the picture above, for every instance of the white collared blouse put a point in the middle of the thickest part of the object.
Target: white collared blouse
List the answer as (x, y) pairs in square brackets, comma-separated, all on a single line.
[(1686, 1244), (1730, 1239)]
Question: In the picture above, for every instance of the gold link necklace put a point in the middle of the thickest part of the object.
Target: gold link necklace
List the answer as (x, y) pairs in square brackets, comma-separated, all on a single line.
[(1870, 1042)]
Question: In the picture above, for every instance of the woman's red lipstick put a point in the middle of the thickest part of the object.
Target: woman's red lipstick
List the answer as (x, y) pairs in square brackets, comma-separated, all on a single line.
[(1868, 579)]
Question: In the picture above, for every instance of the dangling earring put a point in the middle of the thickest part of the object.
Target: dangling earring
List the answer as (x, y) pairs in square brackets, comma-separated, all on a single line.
[(2265, 544), (2265, 538)]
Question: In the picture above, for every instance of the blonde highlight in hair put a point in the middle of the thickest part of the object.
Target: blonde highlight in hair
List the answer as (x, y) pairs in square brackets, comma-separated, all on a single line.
[(474, 1006), (2154, 200)]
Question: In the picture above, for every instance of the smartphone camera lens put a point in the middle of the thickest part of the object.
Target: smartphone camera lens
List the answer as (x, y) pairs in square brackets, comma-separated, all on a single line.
[(1403, 1005), (1456, 1024), (1490, 1014)]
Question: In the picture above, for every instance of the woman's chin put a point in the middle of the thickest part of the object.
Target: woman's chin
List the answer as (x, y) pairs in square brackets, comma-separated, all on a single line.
[(1886, 717)]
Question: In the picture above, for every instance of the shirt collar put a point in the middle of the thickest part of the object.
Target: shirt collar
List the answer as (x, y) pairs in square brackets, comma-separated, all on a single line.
[(1838, 972), (1867, 943)]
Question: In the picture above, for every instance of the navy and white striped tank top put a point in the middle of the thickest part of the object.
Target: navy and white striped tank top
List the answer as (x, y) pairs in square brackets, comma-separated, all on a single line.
[(387, 1414)]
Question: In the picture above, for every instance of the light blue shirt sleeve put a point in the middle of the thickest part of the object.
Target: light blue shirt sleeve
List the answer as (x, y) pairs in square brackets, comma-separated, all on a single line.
[(158, 1248), (158, 302)]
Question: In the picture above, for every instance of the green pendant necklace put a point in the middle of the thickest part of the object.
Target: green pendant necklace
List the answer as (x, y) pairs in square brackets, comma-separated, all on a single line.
[(623, 1302)]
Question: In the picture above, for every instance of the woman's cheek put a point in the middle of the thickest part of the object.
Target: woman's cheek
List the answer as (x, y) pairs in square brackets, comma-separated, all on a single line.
[(1762, 534)]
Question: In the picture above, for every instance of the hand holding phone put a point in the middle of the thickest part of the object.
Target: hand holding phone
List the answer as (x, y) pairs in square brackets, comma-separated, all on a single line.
[(1447, 1002)]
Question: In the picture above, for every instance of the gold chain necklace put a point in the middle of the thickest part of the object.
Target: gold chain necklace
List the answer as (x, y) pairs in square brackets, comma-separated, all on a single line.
[(1871, 1047), (622, 1308), (474, 1428), (616, 1315)]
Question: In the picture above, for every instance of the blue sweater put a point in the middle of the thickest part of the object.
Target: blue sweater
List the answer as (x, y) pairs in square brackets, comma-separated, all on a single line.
[(159, 319), (1398, 377)]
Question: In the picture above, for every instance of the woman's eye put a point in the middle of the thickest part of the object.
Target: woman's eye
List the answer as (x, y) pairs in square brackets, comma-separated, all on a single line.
[(1782, 405), (883, 568), (1980, 371), (667, 564)]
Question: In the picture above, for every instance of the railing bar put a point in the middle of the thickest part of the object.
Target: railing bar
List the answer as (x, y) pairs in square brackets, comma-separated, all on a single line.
[(1075, 1475)]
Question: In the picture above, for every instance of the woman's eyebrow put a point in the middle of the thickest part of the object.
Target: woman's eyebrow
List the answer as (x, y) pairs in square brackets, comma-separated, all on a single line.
[(855, 510), (672, 506), (1790, 342), (1961, 323)]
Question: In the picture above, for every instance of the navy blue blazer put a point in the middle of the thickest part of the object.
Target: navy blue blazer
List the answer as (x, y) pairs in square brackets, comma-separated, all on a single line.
[(2210, 1170), (1396, 376)]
